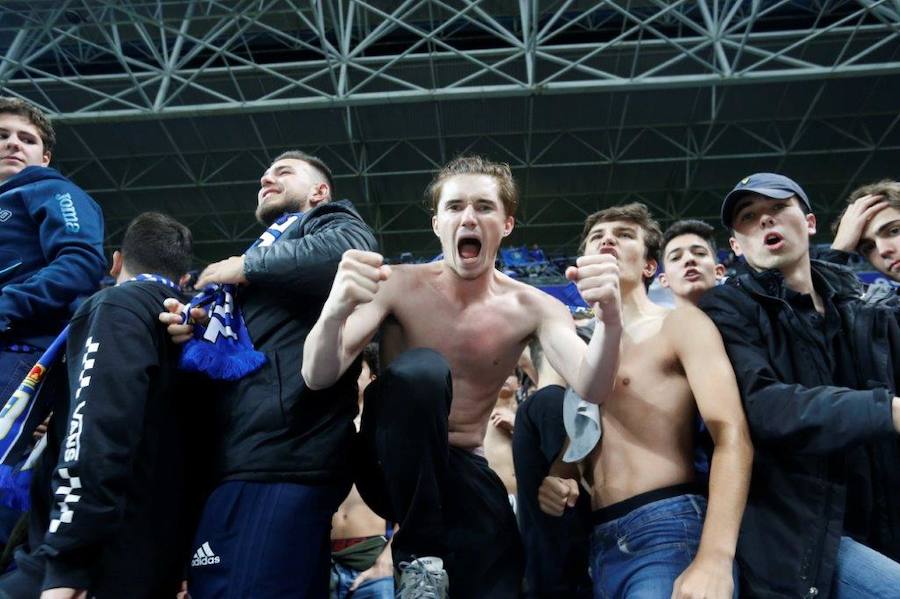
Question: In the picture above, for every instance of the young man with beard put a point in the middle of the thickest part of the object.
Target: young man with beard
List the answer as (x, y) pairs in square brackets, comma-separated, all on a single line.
[(689, 261), (455, 329), (815, 368), (653, 534), (281, 456)]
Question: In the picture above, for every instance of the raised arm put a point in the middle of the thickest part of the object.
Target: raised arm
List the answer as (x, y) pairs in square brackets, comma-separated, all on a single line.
[(350, 317), (590, 371), (701, 352)]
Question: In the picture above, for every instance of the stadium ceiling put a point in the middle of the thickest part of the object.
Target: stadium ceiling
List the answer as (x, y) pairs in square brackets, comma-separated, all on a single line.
[(179, 105)]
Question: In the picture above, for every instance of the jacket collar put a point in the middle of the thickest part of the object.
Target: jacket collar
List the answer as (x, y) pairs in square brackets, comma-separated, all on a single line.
[(832, 281)]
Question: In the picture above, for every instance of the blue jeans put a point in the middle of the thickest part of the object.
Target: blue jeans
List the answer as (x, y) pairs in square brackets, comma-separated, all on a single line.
[(863, 572), (640, 554), (376, 588)]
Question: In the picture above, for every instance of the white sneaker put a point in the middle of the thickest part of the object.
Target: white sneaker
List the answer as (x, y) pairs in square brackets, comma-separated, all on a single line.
[(424, 578)]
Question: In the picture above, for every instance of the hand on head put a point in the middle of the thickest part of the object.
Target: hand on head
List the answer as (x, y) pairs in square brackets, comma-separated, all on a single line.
[(854, 220)]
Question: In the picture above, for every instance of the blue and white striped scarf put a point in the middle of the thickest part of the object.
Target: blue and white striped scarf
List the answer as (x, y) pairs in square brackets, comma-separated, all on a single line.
[(222, 349)]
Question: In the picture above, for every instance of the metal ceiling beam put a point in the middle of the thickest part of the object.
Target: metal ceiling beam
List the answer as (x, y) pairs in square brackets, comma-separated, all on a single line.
[(716, 44)]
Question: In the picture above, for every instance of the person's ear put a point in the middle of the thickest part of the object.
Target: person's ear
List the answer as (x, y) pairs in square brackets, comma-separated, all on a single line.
[(663, 280), (735, 246), (117, 262)]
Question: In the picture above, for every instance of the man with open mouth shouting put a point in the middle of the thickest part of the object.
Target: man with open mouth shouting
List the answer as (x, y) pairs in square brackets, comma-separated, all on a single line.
[(453, 330), (814, 367)]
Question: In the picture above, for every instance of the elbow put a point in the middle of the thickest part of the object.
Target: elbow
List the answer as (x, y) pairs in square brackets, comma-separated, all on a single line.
[(309, 379)]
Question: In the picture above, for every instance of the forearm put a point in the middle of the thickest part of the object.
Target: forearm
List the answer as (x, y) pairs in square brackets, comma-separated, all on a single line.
[(324, 358), (596, 377), (729, 481)]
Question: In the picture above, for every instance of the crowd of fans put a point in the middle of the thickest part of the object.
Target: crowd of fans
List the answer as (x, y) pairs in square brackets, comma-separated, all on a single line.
[(252, 440)]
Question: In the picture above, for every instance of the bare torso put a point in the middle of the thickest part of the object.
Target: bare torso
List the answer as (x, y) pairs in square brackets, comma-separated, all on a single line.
[(499, 452), (354, 519), (647, 421), (481, 338)]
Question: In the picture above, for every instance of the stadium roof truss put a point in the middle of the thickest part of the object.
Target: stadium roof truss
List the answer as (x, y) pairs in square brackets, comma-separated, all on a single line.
[(179, 105)]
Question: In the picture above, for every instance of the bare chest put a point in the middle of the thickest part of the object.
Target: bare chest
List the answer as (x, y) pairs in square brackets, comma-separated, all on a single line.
[(474, 339)]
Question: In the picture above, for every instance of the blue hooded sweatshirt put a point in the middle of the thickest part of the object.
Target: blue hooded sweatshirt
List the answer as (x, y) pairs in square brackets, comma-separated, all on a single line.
[(51, 253)]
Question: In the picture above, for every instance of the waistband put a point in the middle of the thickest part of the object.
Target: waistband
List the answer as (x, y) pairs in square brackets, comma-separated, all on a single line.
[(341, 544), (625, 507)]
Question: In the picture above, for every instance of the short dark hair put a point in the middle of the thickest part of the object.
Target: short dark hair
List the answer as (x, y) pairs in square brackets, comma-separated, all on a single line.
[(886, 187), (314, 161), (34, 115), (687, 226), (156, 243), (476, 165), (636, 213)]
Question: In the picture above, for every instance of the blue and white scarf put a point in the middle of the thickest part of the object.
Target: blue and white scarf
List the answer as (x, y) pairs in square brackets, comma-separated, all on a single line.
[(222, 349), (22, 414)]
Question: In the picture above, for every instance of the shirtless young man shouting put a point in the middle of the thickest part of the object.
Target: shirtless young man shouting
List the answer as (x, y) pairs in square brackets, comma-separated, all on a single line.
[(653, 534), (456, 328)]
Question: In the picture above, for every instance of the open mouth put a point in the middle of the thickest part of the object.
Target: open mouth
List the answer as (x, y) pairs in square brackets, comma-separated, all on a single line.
[(468, 248), (609, 250), (691, 274), (773, 241)]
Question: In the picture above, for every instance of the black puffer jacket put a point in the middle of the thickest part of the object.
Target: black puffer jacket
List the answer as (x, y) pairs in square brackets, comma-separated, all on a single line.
[(810, 402), (270, 426)]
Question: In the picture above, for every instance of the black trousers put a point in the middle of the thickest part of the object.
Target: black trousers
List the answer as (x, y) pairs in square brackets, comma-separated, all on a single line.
[(447, 501), (556, 548)]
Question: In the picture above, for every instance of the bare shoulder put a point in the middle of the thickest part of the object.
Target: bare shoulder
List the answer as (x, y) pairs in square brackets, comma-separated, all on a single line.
[(407, 277), (688, 324)]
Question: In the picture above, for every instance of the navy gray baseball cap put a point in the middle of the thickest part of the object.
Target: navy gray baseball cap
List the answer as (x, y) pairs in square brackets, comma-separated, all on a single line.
[(771, 185)]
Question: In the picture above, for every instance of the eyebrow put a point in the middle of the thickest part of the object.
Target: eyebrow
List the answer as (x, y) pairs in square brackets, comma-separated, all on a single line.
[(886, 225)]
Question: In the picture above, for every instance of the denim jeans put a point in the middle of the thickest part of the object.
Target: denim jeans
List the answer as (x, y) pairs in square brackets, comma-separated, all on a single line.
[(376, 588), (863, 572), (640, 554)]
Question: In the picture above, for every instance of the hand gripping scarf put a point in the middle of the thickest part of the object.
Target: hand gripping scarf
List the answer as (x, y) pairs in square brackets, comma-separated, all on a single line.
[(222, 349)]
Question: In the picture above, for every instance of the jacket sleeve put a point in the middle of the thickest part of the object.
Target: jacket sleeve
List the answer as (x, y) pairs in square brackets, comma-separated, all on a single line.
[(308, 264), (812, 420), (70, 226), (112, 357)]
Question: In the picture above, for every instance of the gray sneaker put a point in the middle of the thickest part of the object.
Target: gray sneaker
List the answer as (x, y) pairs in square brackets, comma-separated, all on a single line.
[(424, 578)]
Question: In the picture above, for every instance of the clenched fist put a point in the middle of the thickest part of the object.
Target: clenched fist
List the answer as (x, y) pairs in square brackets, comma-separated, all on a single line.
[(597, 279), (556, 494), (358, 277)]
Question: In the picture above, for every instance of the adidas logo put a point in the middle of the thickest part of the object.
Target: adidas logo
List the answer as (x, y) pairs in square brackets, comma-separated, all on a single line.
[(205, 556)]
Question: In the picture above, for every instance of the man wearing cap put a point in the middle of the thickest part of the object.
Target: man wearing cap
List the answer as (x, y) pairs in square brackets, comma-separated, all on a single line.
[(653, 535), (808, 356)]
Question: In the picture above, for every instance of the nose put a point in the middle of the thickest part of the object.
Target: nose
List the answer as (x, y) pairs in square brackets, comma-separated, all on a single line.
[(885, 248), (266, 179), (690, 260), (468, 216), (12, 141)]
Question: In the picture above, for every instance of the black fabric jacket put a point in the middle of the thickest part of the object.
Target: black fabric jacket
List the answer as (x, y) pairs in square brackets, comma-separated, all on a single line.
[(809, 406), (270, 426), (119, 517)]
